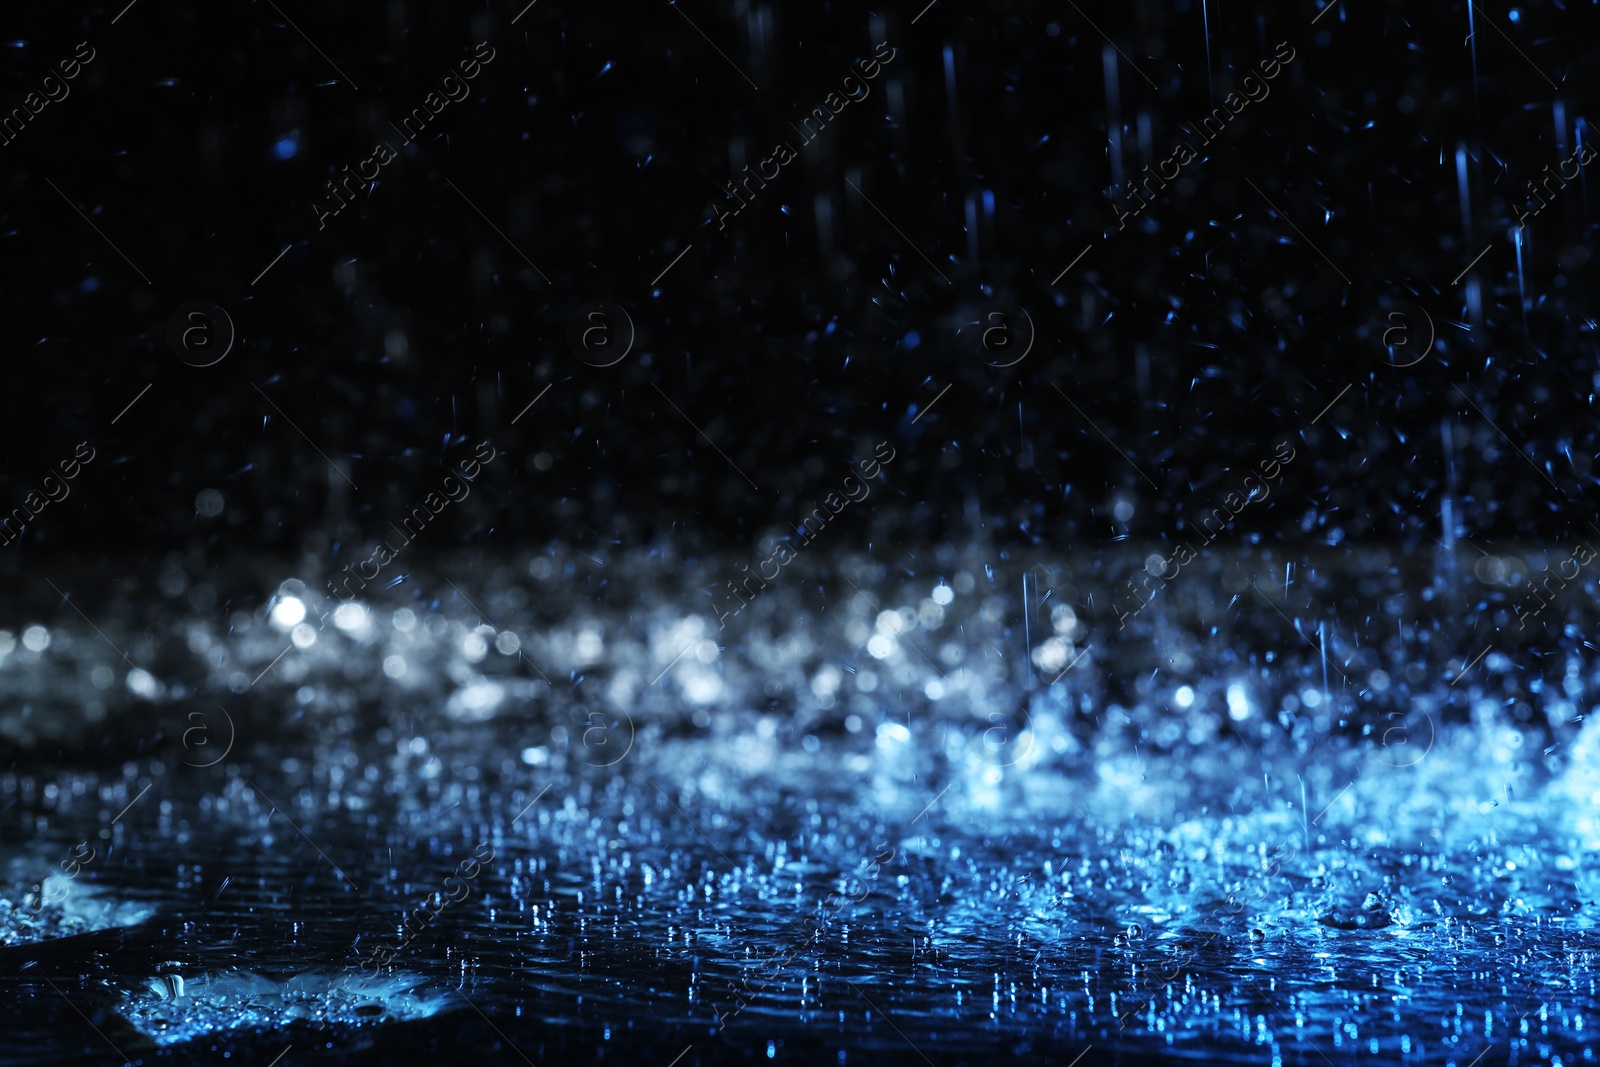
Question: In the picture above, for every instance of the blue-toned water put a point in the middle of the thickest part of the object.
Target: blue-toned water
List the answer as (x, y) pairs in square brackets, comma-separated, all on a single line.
[(859, 822)]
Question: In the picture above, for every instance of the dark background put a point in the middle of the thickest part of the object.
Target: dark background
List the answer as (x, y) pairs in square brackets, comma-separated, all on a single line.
[(1245, 308), (409, 329)]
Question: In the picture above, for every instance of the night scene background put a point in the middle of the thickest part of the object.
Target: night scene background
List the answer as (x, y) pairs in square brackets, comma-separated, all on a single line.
[(727, 532)]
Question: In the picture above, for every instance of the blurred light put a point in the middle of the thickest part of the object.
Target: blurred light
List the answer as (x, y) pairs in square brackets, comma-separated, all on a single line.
[(36, 639), (288, 613), (350, 617), (893, 732), (142, 683), (1052, 655), (826, 681), (1238, 703), (702, 687), (482, 697)]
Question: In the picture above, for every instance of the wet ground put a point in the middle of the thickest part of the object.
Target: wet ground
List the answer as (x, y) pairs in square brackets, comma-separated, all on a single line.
[(892, 810)]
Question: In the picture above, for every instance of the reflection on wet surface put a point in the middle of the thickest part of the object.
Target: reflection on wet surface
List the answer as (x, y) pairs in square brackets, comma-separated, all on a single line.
[(658, 871)]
